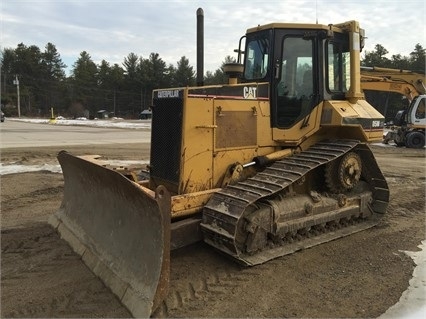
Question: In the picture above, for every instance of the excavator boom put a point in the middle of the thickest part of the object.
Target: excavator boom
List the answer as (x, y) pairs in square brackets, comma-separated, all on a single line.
[(408, 83)]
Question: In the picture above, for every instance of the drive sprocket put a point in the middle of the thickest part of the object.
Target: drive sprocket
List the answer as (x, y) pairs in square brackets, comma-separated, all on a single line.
[(342, 174)]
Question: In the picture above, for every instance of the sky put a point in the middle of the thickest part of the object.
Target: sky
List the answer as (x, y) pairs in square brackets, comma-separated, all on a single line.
[(111, 29)]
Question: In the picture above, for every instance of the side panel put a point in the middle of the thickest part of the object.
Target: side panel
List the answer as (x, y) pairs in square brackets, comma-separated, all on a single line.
[(236, 128), (301, 130), (236, 134), (356, 120), (243, 132), (223, 125), (197, 146)]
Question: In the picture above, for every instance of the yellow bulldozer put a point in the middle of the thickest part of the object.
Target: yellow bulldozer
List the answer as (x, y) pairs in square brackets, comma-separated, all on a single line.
[(273, 162)]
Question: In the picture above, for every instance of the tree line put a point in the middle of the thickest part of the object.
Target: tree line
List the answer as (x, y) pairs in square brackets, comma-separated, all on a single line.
[(120, 90)]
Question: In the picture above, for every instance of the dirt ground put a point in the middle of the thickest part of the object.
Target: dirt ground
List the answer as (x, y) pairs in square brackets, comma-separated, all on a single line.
[(358, 276)]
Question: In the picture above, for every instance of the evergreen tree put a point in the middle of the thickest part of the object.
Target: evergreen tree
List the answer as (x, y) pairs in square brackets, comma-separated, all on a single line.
[(418, 59), (219, 76), (52, 62), (184, 75), (131, 96), (376, 57), (84, 83), (53, 75), (27, 69), (131, 64), (400, 62), (7, 76)]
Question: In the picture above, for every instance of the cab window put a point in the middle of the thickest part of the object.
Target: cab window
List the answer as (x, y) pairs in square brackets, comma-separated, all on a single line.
[(295, 87), (338, 67), (420, 112), (257, 58)]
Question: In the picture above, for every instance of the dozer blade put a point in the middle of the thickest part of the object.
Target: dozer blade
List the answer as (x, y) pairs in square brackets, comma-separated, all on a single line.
[(121, 231)]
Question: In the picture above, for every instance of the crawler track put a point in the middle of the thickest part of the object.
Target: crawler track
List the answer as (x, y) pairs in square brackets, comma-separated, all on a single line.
[(227, 210)]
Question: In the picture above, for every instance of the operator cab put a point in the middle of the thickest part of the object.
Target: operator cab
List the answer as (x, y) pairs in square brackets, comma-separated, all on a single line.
[(304, 64)]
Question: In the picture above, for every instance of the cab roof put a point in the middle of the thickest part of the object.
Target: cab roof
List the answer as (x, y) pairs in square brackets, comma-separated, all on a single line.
[(341, 27)]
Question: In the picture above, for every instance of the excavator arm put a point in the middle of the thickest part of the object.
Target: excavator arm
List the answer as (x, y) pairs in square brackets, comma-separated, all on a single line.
[(408, 83)]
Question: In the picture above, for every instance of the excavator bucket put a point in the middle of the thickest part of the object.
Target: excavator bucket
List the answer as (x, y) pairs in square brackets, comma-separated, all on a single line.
[(121, 230)]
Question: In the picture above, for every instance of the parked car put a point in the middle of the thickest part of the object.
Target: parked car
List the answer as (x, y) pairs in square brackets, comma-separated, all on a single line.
[(2, 116), (145, 114)]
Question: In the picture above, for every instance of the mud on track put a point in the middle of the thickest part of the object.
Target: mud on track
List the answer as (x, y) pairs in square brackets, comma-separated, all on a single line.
[(358, 276)]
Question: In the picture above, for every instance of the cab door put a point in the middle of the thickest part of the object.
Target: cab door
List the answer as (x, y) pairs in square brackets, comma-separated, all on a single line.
[(296, 85)]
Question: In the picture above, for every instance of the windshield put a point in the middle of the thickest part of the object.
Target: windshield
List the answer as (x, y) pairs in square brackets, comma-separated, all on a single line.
[(417, 109), (257, 57)]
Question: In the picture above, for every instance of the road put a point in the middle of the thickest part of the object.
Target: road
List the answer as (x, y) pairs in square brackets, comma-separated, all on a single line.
[(22, 134)]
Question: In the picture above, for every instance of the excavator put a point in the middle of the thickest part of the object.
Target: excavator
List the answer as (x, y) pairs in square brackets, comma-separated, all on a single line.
[(275, 161), (409, 126)]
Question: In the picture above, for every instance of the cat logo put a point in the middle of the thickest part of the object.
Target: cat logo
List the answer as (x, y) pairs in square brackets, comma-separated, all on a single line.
[(249, 92)]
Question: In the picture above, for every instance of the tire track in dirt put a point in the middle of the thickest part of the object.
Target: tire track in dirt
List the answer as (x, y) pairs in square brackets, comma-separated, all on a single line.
[(29, 197), (191, 288), (37, 255), (407, 196), (38, 195)]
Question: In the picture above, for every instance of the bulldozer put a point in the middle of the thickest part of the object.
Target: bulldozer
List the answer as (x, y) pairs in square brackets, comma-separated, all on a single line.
[(275, 161), (409, 126)]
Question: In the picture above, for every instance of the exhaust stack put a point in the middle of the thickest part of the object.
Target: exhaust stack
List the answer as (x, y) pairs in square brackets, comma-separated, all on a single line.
[(200, 47)]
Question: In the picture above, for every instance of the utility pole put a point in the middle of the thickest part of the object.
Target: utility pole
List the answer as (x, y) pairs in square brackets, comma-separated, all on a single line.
[(16, 82), (1, 90), (114, 103)]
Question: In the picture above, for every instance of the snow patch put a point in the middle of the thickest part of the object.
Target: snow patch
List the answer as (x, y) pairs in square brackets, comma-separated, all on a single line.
[(111, 123), (412, 303), (14, 168)]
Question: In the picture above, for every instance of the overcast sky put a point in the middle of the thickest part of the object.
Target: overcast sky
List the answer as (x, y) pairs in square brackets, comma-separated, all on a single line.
[(111, 29)]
